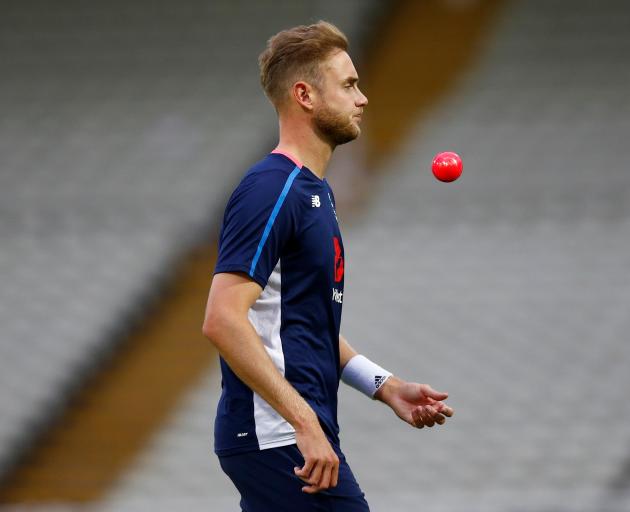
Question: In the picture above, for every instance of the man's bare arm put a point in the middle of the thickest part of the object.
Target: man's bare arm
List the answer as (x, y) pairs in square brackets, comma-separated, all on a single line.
[(346, 352), (227, 326)]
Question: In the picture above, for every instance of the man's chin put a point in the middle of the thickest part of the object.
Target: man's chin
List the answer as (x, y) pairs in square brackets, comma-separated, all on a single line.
[(356, 132), (348, 137), (336, 133)]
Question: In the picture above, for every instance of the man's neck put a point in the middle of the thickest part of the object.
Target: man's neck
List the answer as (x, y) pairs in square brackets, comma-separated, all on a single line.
[(302, 143)]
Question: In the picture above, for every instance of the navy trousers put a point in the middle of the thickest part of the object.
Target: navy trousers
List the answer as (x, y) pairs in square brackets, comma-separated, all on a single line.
[(267, 483)]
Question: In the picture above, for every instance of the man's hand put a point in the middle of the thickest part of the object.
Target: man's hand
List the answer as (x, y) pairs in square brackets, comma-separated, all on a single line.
[(321, 464), (417, 404)]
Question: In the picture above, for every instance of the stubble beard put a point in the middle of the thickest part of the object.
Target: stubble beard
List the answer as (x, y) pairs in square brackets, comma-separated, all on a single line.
[(335, 127)]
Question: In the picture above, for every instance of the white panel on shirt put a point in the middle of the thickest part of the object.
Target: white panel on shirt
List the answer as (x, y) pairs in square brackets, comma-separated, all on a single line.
[(272, 430)]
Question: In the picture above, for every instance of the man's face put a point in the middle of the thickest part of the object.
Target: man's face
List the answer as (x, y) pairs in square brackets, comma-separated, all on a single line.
[(337, 111)]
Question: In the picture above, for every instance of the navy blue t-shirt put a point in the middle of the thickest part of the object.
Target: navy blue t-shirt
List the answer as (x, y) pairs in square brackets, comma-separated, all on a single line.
[(280, 228)]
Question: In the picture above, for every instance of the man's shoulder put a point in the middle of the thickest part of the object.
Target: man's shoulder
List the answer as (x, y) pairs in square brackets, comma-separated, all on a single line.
[(272, 177), (268, 182), (268, 172), (272, 164)]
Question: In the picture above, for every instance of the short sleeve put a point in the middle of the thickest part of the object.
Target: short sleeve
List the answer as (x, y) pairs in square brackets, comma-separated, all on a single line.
[(260, 218)]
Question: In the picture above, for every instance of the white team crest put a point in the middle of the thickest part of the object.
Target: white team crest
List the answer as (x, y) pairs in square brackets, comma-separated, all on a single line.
[(315, 203)]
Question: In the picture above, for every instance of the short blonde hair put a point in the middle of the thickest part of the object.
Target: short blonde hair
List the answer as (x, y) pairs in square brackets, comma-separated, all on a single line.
[(295, 54)]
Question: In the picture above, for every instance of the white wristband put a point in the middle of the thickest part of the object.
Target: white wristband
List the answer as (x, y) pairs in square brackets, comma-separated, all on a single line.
[(364, 375)]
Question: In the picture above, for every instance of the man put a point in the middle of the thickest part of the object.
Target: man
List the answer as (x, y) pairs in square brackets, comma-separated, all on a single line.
[(274, 307)]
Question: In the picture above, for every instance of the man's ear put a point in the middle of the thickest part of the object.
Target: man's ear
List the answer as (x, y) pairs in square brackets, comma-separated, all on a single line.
[(303, 93)]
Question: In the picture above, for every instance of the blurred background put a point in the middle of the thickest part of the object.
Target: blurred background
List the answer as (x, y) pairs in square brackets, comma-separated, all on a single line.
[(124, 126)]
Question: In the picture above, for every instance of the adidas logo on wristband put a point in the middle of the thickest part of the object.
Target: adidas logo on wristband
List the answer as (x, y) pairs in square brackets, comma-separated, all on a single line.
[(378, 380), (364, 375)]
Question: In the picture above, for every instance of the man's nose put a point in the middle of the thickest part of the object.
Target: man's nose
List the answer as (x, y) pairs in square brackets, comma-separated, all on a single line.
[(362, 100)]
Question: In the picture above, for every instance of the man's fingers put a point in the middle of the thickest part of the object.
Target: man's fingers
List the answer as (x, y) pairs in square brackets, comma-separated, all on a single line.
[(429, 392), (334, 478), (442, 408), (428, 416), (316, 474), (417, 418), (329, 475), (445, 410), (305, 470), (324, 482)]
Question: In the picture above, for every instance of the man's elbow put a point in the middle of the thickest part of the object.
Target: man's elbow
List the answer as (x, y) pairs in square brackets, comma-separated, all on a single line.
[(210, 327), (206, 330), (215, 326)]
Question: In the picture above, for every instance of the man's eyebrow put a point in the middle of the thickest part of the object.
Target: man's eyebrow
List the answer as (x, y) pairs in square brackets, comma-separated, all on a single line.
[(351, 80)]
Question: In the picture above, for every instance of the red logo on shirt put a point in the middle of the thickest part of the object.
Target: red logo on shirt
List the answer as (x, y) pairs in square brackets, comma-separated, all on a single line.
[(338, 260)]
